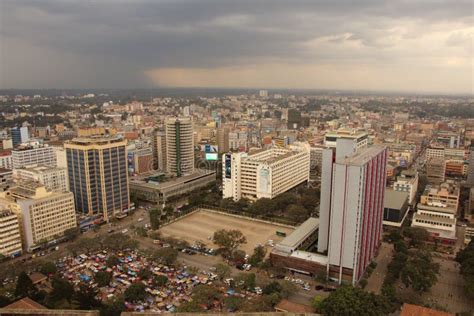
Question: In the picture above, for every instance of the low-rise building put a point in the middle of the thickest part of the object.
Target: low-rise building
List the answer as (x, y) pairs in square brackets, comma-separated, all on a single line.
[(6, 179), (395, 208), (33, 154)]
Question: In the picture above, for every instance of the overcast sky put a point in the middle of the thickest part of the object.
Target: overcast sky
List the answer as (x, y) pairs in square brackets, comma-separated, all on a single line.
[(408, 45)]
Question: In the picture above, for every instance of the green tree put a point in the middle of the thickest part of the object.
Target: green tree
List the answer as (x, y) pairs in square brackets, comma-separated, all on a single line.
[(141, 231), (155, 215), (113, 308), (190, 307), (72, 233), (62, 289), (24, 286), (112, 261), (258, 255), (222, 271), (135, 292), (86, 297), (272, 287), (103, 278), (206, 295), (145, 274), (466, 259), (48, 268), (160, 280), (263, 206), (417, 235), (233, 303), (297, 213), (348, 300), (420, 272), (166, 255), (229, 240)]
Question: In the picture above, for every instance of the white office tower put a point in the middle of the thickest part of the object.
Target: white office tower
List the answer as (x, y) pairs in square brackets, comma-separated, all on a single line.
[(179, 146), (265, 173), (351, 210), (263, 93)]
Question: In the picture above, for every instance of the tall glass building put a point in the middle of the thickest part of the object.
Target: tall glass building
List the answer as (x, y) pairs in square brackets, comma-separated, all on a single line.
[(97, 168)]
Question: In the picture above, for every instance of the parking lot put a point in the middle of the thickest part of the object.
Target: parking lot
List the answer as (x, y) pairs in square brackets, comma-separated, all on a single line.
[(201, 225)]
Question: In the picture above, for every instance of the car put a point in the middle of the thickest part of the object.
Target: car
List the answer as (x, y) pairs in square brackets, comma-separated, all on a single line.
[(140, 219), (125, 231), (110, 231), (319, 287)]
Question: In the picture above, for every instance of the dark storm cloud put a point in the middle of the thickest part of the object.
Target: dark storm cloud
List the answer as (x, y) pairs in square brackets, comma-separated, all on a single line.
[(111, 43)]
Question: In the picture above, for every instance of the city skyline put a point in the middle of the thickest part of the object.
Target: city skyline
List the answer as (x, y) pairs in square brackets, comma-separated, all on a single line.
[(370, 45)]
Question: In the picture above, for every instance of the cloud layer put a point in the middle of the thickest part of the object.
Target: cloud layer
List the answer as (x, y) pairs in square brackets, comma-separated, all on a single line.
[(369, 44)]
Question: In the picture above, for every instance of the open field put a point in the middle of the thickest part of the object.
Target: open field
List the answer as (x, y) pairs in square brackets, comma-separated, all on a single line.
[(202, 224)]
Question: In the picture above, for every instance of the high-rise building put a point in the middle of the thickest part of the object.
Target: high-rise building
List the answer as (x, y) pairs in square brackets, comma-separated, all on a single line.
[(222, 138), (45, 215), (159, 150), (19, 135), (359, 137), (179, 146), (470, 173), (356, 213), (10, 234), (33, 154), (263, 93), (265, 173), (98, 177), (53, 178)]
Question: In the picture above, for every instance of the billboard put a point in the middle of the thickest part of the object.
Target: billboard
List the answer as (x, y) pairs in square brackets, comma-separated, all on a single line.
[(208, 148), (211, 156), (228, 166)]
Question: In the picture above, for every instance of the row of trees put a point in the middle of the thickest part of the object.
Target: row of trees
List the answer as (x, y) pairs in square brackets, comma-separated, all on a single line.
[(466, 259)]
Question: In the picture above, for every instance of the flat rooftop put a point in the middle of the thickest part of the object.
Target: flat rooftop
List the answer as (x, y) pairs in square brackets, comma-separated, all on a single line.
[(394, 199), (361, 157), (301, 233), (173, 182)]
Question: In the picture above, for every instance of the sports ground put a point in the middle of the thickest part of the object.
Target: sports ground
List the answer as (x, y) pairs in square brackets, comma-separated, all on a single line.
[(199, 226)]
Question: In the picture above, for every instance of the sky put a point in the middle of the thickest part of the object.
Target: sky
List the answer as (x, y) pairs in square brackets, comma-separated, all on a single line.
[(376, 45)]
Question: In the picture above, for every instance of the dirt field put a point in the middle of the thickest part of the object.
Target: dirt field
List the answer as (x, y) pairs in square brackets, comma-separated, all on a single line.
[(200, 225)]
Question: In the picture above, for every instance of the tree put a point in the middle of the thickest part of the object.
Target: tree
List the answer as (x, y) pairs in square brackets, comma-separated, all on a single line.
[(4, 301), (297, 213), (272, 287), (87, 244), (103, 278), (145, 274), (229, 240), (112, 261), (238, 256), (155, 215), (24, 286), (222, 271), (120, 241), (190, 307), (348, 300), (166, 255), (287, 289), (62, 289), (86, 297), (135, 292), (48, 268), (141, 231), (113, 308), (417, 235), (205, 295), (160, 280), (72, 233), (232, 303), (466, 259), (258, 255), (420, 272), (263, 206), (245, 281)]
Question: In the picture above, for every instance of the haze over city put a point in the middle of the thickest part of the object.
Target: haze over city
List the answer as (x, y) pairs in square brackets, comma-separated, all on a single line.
[(410, 46)]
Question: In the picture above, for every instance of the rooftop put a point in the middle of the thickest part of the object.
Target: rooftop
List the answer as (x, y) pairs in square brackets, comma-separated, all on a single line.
[(99, 140), (301, 233), (395, 199), (361, 157), (415, 310), (24, 303)]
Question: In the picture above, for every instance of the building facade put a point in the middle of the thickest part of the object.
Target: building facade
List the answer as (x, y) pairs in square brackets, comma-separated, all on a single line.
[(408, 182), (98, 176), (53, 178), (10, 234), (179, 146), (33, 154), (6, 159), (159, 151), (45, 215), (19, 135), (265, 173)]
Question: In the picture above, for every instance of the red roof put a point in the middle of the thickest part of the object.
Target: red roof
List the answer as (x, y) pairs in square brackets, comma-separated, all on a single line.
[(24, 303), (415, 310), (290, 307)]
